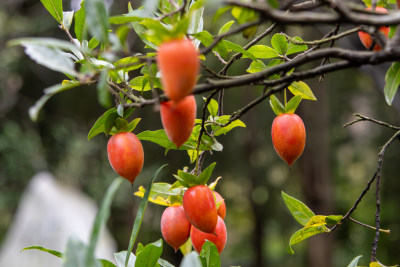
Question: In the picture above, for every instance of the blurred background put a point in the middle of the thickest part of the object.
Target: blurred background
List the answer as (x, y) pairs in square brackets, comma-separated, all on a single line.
[(330, 175)]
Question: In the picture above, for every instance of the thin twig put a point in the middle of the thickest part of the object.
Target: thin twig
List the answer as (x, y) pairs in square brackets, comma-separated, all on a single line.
[(368, 226)]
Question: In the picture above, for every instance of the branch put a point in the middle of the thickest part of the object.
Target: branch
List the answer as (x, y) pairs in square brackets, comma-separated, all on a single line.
[(307, 17)]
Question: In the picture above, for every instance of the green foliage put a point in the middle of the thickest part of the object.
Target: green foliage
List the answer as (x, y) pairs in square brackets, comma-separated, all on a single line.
[(55, 8), (354, 262), (392, 80), (209, 255)]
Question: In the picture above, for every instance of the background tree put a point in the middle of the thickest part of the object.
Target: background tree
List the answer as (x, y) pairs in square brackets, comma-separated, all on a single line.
[(121, 65)]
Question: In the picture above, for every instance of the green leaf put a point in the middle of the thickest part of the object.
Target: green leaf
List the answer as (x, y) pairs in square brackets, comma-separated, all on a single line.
[(140, 84), (68, 16), (206, 174), (44, 42), (354, 262), (276, 105), (128, 63), (279, 43), (97, 19), (150, 254), (55, 8), (296, 48), (333, 219), (292, 105), (256, 66), (262, 52), (104, 123), (204, 37), (237, 48), (392, 80), (49, 92), (213, 107), (392, 31), (51, 58), (187, 179), (80, 17), (52, 252), (101, 218), (140, 213), (140, 29), (226, 27), (223, 130), (302, 89), (126, 18), (298, 209), (120, 259), (132, 125), (209, 255), (303, 234), (191, 260)]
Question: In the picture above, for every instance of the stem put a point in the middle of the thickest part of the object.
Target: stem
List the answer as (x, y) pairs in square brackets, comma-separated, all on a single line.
[(369, 226)]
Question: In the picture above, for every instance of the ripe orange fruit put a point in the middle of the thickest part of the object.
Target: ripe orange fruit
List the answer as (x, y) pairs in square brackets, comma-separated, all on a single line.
[(175, 227), (178, 119), (200, 208), (198, 237), (288, 137), (179, 65), (366, 39), (125, 153)]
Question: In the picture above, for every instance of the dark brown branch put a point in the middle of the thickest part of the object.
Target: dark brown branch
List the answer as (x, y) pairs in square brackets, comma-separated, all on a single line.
[(307, 17)]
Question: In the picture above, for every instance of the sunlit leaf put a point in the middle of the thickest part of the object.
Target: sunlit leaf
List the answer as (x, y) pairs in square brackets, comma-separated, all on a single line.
[(276, 105), (298, 209), (256, 66), (68, 16), (292, 105), (392, 80), (226, 27), (262, 52), (209, 255), (303, 234), (52, 252), (279, 43), (302, 89), (55, 8), (80, 17), (150, 254), (296, 48)]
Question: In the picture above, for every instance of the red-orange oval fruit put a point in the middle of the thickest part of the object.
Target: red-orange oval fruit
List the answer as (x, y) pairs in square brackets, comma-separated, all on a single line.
[(175, 227), (179, 65), (200, 208), (288, 137), (366, 39), (222, 206), (178, 119), (125, 153), (198, 237)]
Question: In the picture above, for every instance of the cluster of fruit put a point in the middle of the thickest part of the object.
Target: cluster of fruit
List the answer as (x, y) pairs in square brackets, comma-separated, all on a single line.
[(198, 218)]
